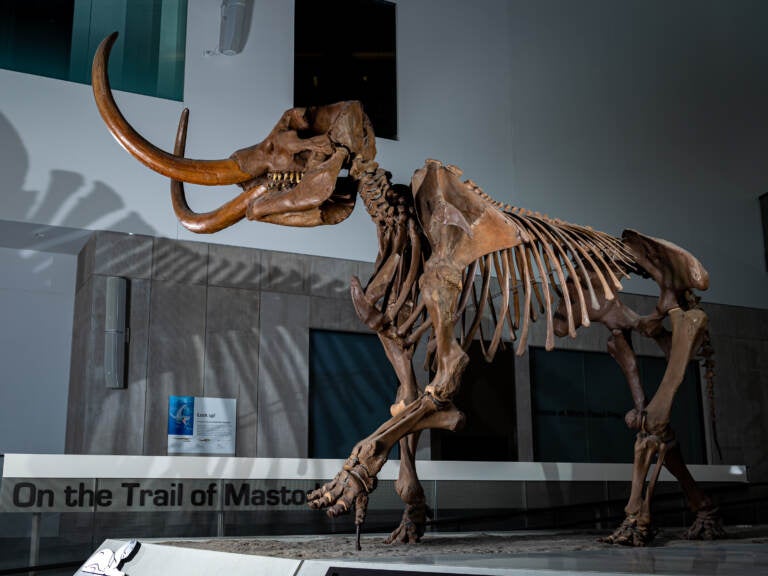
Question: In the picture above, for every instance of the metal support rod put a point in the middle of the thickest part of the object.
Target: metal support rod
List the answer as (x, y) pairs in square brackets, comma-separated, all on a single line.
[(34, 540), (220, 512)]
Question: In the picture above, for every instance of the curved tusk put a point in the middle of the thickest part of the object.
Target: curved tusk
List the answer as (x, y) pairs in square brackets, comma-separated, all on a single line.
[(208, 222), (207, 172)]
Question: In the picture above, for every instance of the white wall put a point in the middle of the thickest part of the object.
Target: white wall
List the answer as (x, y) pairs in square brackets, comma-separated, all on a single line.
[(649, 115), (37, 295), (637, 114)]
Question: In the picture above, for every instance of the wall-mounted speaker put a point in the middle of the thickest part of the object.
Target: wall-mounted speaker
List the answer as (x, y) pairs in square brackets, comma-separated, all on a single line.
[(232, 30), (115, 332)]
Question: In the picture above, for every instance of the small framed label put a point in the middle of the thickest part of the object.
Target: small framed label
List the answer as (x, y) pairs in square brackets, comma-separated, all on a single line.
[(201, 426)]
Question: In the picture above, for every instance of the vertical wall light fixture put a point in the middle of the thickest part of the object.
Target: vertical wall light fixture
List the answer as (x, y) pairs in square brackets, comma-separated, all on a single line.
[(115, 332)]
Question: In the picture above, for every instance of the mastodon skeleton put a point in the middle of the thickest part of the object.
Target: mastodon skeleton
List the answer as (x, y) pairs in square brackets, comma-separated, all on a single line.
[(443, 243)]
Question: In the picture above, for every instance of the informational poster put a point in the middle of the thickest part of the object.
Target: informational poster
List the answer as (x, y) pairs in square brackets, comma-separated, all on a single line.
[(201, 425)]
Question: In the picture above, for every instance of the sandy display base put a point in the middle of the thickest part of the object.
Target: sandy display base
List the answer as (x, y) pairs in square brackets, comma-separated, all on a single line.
[(432, 544)]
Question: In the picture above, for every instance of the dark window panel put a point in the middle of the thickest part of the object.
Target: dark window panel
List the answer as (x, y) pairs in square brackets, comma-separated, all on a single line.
[(487, 398), (346, 50), (36, 36), (351, 387), (579, 402)]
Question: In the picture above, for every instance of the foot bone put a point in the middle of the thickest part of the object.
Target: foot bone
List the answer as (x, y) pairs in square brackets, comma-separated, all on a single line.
[(350, 487), (412, 526), (631, 533), (708, 525)]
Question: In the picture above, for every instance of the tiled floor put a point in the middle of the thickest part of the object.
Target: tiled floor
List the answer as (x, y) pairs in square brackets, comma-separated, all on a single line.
[(722, 558), (530, 553)]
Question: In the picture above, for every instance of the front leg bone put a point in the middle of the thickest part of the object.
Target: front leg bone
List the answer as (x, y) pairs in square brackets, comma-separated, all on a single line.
[(440, 285), (358, 474), (407, 486)]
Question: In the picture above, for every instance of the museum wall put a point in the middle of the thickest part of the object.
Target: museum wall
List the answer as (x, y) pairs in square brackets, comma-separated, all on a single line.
[(644, 115), (632, 114), (204, 320), (234, 322)]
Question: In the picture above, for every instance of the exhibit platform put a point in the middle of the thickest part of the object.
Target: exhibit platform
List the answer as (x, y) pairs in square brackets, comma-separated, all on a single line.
[(529, 553)]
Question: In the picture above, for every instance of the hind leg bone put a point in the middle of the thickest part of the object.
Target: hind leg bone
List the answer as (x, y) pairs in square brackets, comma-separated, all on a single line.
[(655, 437), (621, 321), (407, 486)]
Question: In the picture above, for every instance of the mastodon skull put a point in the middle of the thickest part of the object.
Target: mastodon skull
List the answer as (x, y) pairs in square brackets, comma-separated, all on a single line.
[(292, 177)]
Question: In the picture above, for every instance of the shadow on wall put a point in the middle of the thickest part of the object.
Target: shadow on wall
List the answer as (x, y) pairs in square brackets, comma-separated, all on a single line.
[(66, 203), (38, 286), (205, 320)]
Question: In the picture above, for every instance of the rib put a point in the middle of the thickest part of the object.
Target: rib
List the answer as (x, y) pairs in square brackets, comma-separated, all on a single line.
[(560, 274), (486, 271), (526, 318), (503, 274), (550, 341), (576, 283)]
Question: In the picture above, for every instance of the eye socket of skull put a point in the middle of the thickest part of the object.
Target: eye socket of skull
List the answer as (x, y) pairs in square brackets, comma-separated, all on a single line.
[(342, 122)]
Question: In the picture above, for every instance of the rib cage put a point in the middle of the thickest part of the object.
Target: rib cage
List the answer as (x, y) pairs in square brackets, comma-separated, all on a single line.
[(579, 265), (572, 262)]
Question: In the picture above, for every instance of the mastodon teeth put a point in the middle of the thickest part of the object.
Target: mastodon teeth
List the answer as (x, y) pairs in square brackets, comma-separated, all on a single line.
[(284, 178)]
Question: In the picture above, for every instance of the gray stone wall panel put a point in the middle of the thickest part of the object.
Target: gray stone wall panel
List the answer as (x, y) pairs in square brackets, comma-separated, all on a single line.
[(235, 267), (284, 272), (330, 277), (334, 314), (175, 359), (232, 356), (180, 261), (85, 262), (124, 255), (283, 393), (82, 343)]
